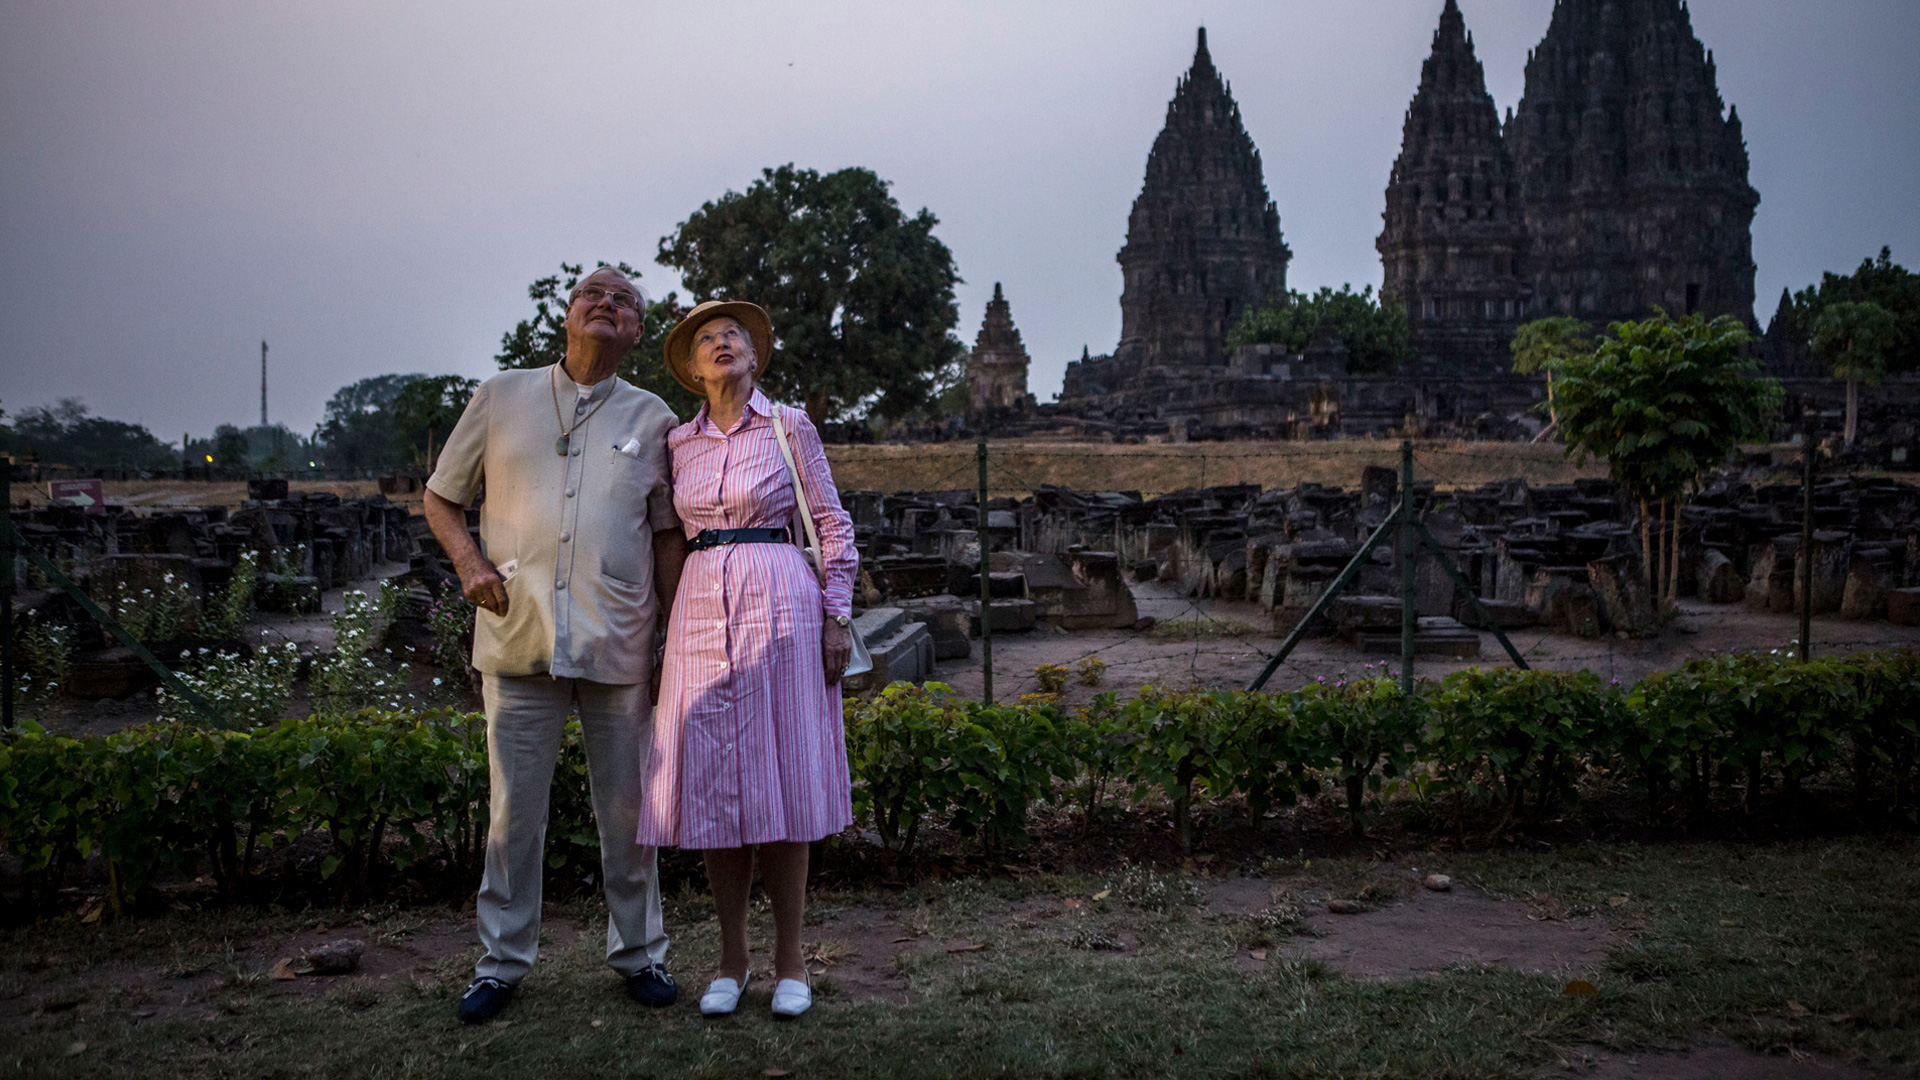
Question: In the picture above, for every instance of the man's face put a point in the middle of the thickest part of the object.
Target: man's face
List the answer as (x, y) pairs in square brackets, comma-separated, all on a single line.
[(607, 309)]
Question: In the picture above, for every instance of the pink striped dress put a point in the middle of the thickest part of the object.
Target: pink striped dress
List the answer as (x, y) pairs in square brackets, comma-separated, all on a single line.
[(748, 742)]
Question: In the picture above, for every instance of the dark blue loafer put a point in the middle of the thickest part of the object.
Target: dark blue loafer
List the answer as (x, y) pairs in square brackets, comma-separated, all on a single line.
[(653, 987), (484, 999)]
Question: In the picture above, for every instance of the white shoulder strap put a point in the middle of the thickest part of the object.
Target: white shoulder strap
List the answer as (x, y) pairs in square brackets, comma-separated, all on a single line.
[(800, 495)]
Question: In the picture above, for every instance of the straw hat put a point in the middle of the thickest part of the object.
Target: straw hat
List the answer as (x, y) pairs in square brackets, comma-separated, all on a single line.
[(751, 317)]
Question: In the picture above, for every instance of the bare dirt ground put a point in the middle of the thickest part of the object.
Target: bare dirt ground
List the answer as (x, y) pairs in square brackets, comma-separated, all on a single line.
[(866, 949), (1225, 644), (1016, 467)]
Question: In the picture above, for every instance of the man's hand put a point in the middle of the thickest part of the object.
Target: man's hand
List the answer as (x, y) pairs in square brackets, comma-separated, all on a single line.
[(483, 586), (479, 581), (836, 648)]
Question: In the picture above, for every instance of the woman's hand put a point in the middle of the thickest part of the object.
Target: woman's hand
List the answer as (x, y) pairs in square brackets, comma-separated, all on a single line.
[(836, 648)]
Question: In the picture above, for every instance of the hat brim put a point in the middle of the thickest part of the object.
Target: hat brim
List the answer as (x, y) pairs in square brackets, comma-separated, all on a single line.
[(752, 317)]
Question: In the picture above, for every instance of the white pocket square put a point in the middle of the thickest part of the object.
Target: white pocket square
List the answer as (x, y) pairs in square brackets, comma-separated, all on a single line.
[(631, 449)]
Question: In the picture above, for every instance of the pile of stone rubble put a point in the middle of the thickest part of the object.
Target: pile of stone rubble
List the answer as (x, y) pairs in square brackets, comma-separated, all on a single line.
[(303, 543), (1563, 555)]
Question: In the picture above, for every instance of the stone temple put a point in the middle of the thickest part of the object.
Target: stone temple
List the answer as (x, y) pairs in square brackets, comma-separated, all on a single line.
[(1618, 185), (1203, 244), (997, 368), (1633, 184), (1456, 234)]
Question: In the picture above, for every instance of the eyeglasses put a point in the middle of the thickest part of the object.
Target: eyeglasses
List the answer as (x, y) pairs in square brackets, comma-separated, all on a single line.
[(619, 298)]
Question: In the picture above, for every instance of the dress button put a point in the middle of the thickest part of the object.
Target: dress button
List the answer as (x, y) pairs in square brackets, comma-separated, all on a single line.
[(729, 748), (565, 536), (559, 584), (569, 493), (576, 451)]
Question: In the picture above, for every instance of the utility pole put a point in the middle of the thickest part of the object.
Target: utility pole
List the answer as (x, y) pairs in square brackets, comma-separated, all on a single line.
[(986, 582), (263, 383)]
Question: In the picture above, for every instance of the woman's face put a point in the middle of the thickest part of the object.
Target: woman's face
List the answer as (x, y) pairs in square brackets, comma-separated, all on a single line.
[(722, 352)]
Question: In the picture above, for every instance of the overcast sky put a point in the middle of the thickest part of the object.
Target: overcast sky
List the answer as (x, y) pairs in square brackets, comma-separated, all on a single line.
[(370, 186)]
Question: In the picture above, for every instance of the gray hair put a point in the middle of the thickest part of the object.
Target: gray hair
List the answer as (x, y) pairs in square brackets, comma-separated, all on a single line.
[(616, 272)]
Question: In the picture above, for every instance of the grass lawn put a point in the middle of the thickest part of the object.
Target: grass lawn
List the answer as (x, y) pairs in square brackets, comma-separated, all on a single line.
[(1796, 947)]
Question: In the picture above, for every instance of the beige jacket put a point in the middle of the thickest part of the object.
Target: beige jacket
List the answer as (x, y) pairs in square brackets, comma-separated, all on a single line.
[(578, 527)]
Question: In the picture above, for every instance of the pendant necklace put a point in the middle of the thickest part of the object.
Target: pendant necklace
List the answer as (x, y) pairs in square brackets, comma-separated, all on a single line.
[(566, 433)]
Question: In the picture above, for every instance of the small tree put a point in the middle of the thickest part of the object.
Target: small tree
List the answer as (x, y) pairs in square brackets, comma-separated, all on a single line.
[(1664, 401), (1541, 344), (860, 294), (1881, 281), (1854, 338)]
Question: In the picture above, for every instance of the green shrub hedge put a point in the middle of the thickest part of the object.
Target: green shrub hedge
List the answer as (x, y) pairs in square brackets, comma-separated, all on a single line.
[(387, 790)]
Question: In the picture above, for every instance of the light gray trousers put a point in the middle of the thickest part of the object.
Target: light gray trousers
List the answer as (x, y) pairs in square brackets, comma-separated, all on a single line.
[(526, 718)]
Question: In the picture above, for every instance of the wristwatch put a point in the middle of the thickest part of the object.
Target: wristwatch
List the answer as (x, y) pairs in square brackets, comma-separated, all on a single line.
[(844, 620)]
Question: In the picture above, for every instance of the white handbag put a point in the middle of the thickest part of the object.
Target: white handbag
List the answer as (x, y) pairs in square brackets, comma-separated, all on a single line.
[(861, 661)]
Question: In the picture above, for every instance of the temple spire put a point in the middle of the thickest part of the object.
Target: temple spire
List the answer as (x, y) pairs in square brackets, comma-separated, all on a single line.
[(1636, 189), (1453, 235), (1203, 241)]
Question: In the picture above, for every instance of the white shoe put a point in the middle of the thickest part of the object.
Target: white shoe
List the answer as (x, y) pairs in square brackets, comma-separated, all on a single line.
[(723, 996), (791, 998)]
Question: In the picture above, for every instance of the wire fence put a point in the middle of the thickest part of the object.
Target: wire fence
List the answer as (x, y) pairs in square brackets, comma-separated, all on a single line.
[(1218, 642)]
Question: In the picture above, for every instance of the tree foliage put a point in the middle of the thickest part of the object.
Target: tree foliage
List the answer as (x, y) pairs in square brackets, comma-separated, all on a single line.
[(268, 449), (1374, 331), (1878, 281), (230, 447), (1855, 337), (357, 431), (1542, 343), (66, 434), (860, 294), (542, 339), (424, 412), (1664, 400)]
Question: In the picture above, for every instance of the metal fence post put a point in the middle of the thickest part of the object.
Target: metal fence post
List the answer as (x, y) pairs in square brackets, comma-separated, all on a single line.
[(1408, 615), (986, 582), (6, 591), (1805, 574)]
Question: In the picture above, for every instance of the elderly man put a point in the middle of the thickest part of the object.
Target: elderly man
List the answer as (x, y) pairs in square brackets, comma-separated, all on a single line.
[(579, 556)]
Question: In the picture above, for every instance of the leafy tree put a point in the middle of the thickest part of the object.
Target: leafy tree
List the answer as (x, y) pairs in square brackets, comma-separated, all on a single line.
[(860, 294), (1374, 330), (1664, 401), (357, 431), (1880, 281), (230, 447), (1854, 338), (273, 448), (1544, 342), (65, 433), (542, 340), (426, 410)]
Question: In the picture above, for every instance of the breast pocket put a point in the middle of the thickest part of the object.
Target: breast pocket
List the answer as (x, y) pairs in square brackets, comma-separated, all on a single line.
[(627, 550)]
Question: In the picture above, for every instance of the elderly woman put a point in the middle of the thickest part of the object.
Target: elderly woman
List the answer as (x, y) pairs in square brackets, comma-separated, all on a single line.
[(748, 749)]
